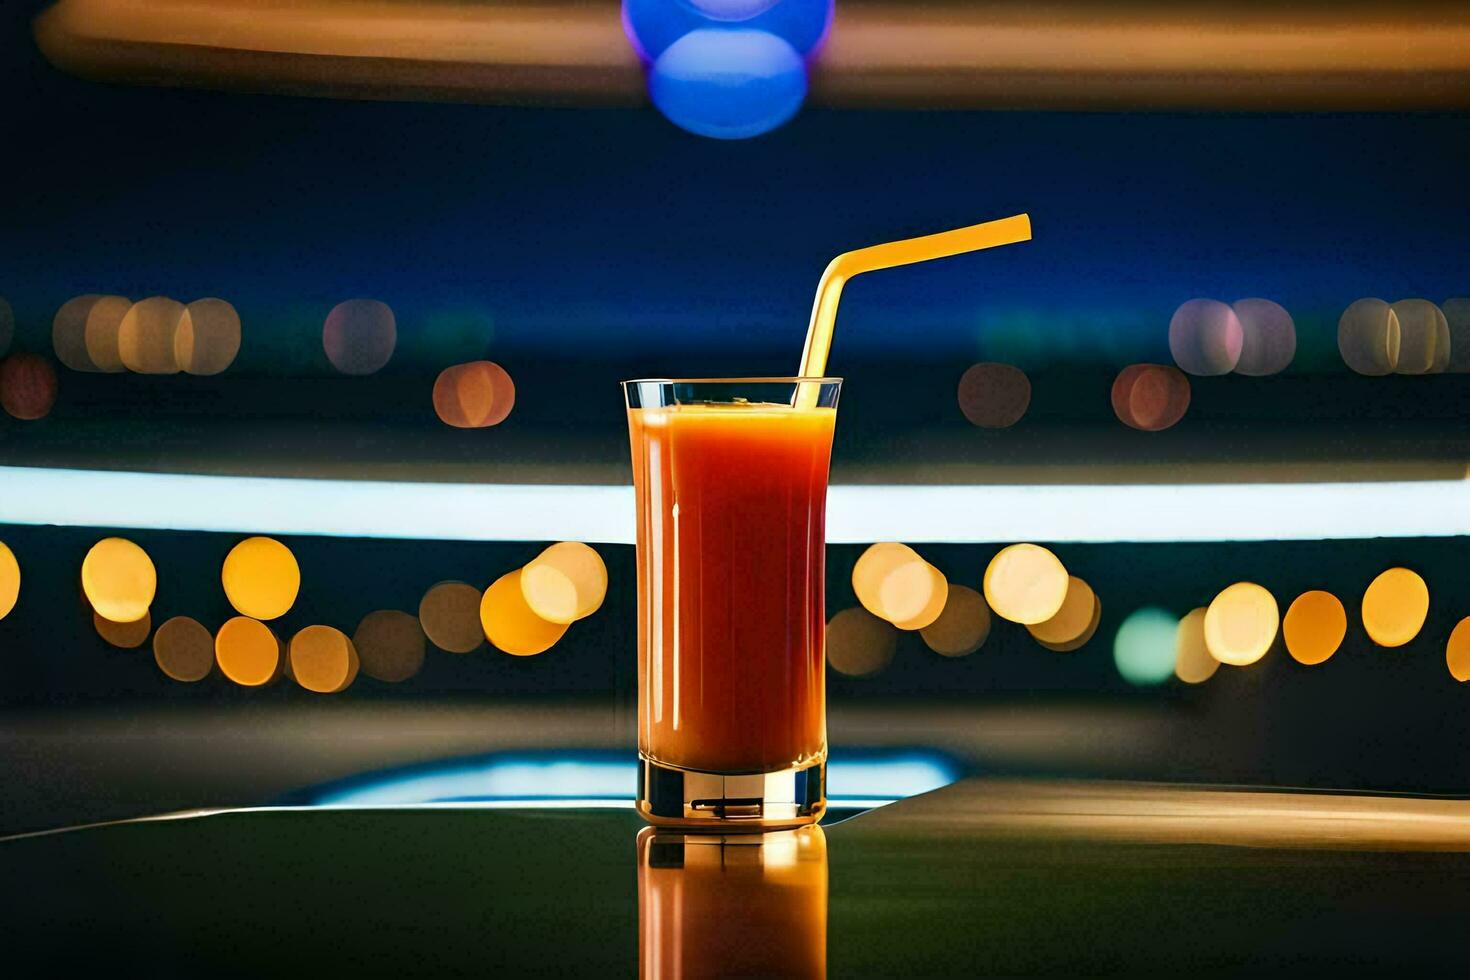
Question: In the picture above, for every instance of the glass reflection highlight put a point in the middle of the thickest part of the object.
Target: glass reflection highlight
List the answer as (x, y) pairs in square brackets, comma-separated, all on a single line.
[(738, 905)]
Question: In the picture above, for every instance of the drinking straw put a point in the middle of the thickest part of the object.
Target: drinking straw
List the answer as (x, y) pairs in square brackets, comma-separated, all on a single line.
[(1002, 231)]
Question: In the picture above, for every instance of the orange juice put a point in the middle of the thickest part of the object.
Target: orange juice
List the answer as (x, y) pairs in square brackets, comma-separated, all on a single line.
[(731, 536)]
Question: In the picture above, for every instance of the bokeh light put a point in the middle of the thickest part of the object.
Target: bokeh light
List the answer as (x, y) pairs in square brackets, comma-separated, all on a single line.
[(1314, 626), (1150, 397), (1086, 636), (1457, 651), (7, 326), (119, 580), (208, 338), (124, 636), (184, 649), (1457, 321), (1395, 606), (1072, 619), (69, 332), (359, 336), (1241, 624), (101, 334), (450, 615), (653, 25), (261, 578), (147, 335), (1268, 337), (247, 652), (937, 590), (510, 625), (1424, 337), (728, 84), (565, 583), (860, 644), (322, 659), (1205, 337), (994, 395), (1193, 663), (27, 386), (732, 9), (962, 627), (390, 645), (877, 563), (1143, 647), (474, 395), (9, 580), (1368, 337), (1026, 584), (894, 583)]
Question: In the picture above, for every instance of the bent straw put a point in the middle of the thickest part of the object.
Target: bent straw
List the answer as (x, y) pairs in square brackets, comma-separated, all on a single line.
[(1003, 231)]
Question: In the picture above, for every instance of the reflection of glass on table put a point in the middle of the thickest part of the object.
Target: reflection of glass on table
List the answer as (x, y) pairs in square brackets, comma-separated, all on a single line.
[(742, 905)]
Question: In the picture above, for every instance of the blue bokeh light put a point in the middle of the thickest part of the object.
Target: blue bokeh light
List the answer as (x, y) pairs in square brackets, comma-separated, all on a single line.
[(732, 9), (654, 25), (728, 84)]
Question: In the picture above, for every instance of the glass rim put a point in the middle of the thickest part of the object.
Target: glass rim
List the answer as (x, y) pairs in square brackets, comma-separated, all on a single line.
[(732, 381)]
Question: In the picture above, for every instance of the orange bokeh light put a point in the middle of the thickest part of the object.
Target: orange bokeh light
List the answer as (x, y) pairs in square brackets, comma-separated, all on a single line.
[(510, 624), (474, 395), (1395, 606), (247, 652), (1314, 627)]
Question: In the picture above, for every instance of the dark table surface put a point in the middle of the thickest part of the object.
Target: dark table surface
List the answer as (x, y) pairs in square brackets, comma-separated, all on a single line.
[(984, 877)]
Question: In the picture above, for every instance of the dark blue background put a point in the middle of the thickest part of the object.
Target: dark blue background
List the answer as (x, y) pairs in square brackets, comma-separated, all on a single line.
[(611, 232)]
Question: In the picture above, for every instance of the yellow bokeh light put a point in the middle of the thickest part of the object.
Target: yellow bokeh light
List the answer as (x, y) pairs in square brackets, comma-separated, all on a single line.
[(261, 578), (859, 644), (1241, 624), (1026, 584), (450, 615), (100, 333), (124, 636), (247, 652), (9, 580), (147, 335), (390, 645), (1457, 651), (1072, 619), (892, 582), (1314, 627), (898, 594), (1193, 663), (183, 649), (511, 625), (565, 583), (208, 337), (1087, 634), (119, 580), (1395, 606), (322, 659), (963, 625)]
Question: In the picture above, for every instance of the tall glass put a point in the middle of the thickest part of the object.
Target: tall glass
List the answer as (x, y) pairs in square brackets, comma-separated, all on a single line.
[(731, 483)]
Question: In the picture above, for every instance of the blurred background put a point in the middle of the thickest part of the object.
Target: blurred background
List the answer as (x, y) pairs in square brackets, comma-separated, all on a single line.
[(363, 278)]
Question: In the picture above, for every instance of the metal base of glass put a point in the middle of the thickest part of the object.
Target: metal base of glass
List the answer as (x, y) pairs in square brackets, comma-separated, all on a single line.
[(730, 804)]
